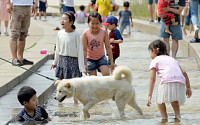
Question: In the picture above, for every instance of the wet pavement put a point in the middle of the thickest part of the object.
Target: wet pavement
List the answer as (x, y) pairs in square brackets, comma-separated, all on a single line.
[(134, 53)]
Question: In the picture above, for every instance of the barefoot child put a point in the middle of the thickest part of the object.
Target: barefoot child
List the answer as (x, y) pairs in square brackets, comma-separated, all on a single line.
[(94, 39), (69, 61), (167, 16), (174, 80), (32, 111), (114, 36)]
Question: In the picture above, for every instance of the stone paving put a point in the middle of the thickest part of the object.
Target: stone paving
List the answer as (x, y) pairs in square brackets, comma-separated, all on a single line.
[(43, 36)]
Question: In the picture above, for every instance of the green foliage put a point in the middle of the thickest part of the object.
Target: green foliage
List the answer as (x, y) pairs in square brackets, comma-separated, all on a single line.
[(140, 10)]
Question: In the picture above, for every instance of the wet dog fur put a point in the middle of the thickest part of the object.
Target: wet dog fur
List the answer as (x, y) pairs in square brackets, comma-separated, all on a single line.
[(90, 90)]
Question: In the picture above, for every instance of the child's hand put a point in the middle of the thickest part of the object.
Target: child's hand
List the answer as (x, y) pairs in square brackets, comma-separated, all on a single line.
[(188, 92), (131, 24), (149, 101), (112, 40), (53, 66)]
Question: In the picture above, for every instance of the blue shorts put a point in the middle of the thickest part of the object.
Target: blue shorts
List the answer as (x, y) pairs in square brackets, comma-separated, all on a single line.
[(176, 31), (42, 6), (66, 9), (95, 64), (151, 1)]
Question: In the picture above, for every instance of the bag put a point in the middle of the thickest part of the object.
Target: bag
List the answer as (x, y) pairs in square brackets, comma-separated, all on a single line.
[(185, 11)]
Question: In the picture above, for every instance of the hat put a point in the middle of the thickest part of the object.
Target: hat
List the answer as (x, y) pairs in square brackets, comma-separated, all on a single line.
[(111, 20)]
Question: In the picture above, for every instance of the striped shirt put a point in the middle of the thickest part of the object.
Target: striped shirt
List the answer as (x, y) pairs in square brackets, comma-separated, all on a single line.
[(39, 115)]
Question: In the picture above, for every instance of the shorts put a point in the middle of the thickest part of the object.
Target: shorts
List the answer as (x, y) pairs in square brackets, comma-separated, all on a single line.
[(176, 31), (170, 92), (128, 27), (42, 6), (20, 22), (95, 64), (151, 1), (66, 9), (114, 58)]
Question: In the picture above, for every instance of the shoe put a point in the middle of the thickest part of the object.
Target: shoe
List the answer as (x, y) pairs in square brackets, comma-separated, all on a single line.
[(26, 62), (196, 32), (157, 22), (151, 21), (6, 34), (16, 63)]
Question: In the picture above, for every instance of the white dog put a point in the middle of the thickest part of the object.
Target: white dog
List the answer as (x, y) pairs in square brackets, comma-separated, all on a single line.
[(93, 89)]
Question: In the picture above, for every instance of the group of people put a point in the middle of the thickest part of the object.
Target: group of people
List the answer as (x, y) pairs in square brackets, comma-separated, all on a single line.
[(75, 55)]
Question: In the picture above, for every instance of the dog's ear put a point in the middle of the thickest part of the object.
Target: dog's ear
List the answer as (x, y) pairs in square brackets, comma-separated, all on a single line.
[(57, 82), (67, 85)]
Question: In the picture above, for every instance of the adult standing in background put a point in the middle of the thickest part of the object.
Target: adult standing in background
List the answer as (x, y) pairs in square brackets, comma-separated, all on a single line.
[(4, 16), (20, 11), (150, 9), (68, 6), (195, 7), (175, 7)]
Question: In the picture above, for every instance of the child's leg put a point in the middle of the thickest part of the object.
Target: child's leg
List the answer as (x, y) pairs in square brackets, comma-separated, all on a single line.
[(183, 30), (176, 108), (40, 14), (163, 111), (104, 70), (45, 15), (75, 102), (166, 19), (191, 29)]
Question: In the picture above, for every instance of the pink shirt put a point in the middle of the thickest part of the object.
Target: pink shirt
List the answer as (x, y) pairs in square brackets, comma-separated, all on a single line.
[(95, 45), (168, 69)]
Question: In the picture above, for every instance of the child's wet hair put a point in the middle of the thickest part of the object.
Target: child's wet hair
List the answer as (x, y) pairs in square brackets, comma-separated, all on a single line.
[(158, 45), (126, 4), (25, 94), (82, 7), (71, 17), (94, 15)]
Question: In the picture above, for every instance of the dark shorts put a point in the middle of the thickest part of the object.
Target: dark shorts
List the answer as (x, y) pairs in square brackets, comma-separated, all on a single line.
[(42, 6), (151, 1), (176, 31), (66, 9), (95, 64), (67, 67)]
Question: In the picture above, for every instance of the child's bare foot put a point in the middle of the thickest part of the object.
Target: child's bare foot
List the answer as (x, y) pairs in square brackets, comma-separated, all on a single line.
[(177, 120), (174, 23), (167, 31), (164, 121)]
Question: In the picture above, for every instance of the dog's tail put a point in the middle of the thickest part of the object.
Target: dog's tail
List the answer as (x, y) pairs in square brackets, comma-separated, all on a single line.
[(122, 72)]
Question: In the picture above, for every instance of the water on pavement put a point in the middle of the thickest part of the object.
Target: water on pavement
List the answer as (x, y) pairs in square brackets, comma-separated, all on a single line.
[(134, 53)]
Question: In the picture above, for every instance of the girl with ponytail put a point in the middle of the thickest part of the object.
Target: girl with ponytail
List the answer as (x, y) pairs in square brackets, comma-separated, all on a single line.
[(69, 59)]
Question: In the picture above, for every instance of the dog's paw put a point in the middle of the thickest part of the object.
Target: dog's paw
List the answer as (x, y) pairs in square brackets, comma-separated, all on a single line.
[(86, 115)]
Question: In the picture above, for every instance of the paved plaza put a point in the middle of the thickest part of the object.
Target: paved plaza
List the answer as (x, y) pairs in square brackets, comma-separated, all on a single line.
[(43, 36)]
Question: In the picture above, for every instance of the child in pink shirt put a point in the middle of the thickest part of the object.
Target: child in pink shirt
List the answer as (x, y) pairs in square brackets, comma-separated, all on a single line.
[(174, 81), (94, 39)]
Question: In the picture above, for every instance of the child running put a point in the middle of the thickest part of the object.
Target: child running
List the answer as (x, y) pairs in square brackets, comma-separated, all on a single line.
[(174, 81), (114, 36), (31, 111), (94, 39), (167, 16), (125, 16), (69, 61)]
